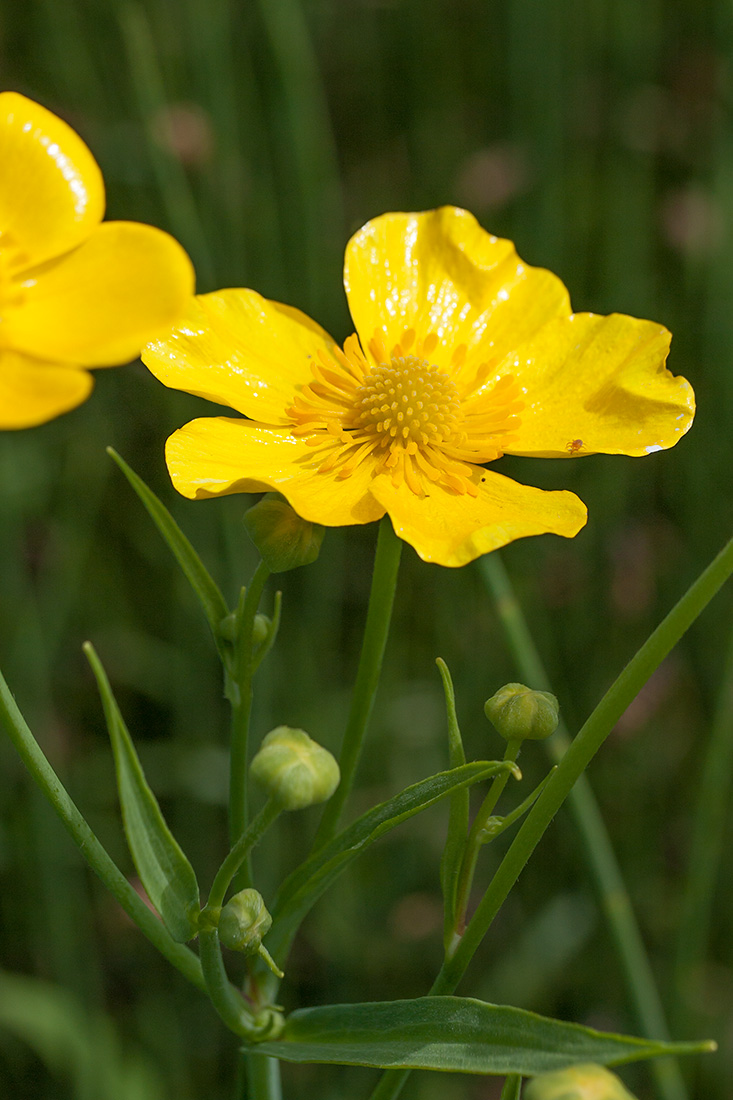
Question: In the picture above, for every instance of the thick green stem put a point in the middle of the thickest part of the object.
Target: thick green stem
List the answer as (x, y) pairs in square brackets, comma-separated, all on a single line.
[(240, 696), (706, 847), (599, 853), (381, 599), (95, 855), (263, 1078), (574, 761)]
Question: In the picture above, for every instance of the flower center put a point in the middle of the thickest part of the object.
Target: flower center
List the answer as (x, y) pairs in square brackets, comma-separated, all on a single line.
[(407, 400), (419, 424)]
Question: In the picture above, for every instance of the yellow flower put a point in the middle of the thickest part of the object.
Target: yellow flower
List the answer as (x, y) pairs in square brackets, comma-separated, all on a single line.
[(74, 293), (463, 354)]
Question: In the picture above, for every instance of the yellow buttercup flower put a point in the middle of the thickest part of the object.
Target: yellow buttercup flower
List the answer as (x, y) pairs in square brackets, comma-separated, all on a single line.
[(463, 354), (74, 293)]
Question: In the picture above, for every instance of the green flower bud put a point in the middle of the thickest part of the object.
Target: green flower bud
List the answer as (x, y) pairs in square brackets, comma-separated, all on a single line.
[(587, 1082), (243, 922), (520, 714), (283, 539), (294, 770)]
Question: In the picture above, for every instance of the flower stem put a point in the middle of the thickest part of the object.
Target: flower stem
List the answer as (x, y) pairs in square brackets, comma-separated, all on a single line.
[(601, 858), (96, 856), (240, 851), (229, 1004), (381, 599), (263, 1078), (574, 761), (240, 695)]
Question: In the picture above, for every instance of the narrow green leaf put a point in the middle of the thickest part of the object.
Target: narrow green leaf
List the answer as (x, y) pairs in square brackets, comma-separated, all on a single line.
[(164, 870), (455, 842), (204, 586), (304, 886), (458, 1034)]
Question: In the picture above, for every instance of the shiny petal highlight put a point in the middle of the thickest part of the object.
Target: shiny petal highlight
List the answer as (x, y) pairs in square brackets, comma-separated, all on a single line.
[(440, 273), (51, 189), (239, 349), (599, 384), (215, 456)]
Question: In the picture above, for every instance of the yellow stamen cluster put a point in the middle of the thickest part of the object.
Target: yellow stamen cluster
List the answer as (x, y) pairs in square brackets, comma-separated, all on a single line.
[(411, 419), (408, 400)]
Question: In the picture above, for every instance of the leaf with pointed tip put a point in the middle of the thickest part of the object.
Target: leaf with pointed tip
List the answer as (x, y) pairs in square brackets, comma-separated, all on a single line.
[(197, 575), (457, 835), (164, 870), (301, 889), (457, 1034)]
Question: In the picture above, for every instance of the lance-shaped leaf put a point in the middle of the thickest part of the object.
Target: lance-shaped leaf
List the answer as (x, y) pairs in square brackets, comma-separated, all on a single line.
[(455, 842), (304, 886), (201, 581), (164, 870), (457, 1034)]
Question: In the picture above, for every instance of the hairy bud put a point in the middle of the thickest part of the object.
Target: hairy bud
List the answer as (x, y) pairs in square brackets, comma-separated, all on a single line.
[(294, 770), (518, 713)]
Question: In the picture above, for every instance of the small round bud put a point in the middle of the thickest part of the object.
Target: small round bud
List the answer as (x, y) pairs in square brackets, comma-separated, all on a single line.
[(283, 539), (520, 714), (243, 922), (294, 770), (587, 1082)]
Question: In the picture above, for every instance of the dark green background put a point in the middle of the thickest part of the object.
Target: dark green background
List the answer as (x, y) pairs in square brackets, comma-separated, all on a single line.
[(597, 134)]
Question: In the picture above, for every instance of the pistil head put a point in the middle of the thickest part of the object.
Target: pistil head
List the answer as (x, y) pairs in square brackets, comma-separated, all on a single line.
[(408, 401)]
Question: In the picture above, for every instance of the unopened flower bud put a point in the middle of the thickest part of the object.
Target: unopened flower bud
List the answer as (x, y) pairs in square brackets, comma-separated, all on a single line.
[(294, 770), (283, 539), (243, 922), (586, 1082), (520, 714)]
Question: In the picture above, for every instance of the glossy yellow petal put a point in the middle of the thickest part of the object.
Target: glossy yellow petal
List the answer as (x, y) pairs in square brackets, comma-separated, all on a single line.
[(99, 304), (32, 392), (599, 384), (453, 530), (239, 349), (215, 456), (51, 190), (440, 272)]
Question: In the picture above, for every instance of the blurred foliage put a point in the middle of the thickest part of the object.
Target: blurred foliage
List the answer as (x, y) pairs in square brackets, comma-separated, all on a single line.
[(598, 134)]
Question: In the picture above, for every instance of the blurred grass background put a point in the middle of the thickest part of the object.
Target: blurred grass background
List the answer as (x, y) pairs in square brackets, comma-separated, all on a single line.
[(598, 135)]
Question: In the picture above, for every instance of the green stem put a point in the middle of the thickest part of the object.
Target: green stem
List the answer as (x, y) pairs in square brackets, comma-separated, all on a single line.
[(228, 1002), (512, 1088), (96, 856), (599, 853), (706, 846), (475, 843), (240, 696), (574, 761), (240, 851), (263, 1078), (381, 599)]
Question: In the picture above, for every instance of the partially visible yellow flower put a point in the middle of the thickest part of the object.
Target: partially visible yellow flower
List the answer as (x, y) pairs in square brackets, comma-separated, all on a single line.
[(463, 353), (74, 293), (583, 1082)]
